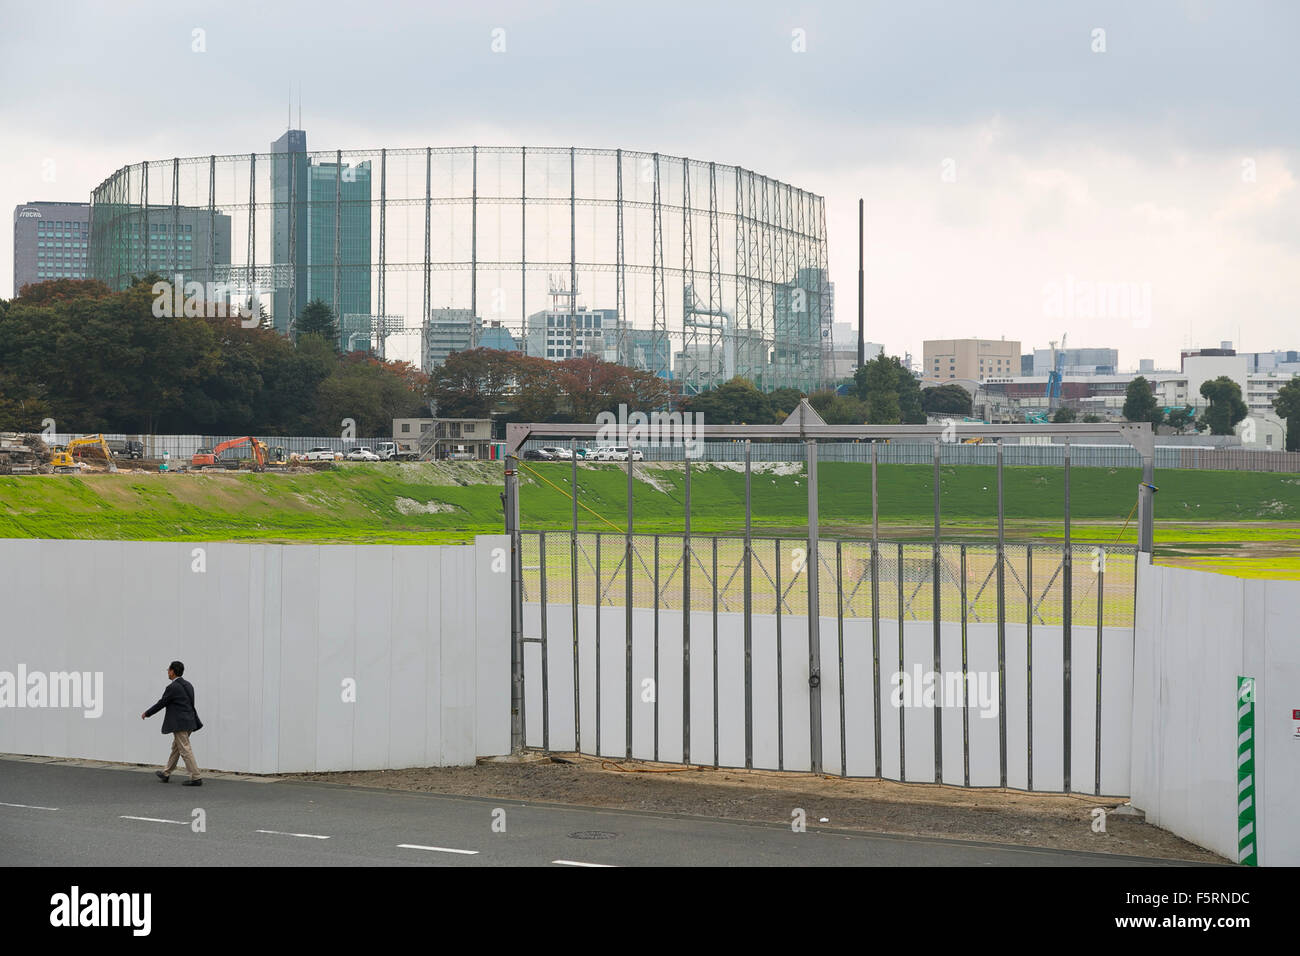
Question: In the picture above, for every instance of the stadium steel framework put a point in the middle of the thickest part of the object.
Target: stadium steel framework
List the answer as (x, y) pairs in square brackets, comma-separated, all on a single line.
[(694, 270)]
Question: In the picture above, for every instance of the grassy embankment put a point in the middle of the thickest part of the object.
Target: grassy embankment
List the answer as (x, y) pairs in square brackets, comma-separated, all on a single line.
[(1237, 522)]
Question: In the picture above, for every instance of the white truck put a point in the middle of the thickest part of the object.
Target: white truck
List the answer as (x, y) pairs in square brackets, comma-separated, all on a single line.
[(396, 451)]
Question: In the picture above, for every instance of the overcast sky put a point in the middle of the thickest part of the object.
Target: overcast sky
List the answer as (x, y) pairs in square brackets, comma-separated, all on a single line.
[(1004, 159)]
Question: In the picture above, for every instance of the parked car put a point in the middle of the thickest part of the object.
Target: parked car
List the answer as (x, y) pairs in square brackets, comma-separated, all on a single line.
[(361, 454), (321, 453), (616, 453), (558, 452), (538, 454)]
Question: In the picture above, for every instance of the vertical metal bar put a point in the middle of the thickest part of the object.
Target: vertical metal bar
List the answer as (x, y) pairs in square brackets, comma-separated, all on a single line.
[(1067, 629), (383, 254), (516, 607), (523, 248), (546, 658), (428, 214), (573, 600), (780, 689), (338, 216), (212, 215), (627, 576), (715, 650), (573, 258), (600, 586), (902, 710), (936, 586), (176, 215), (656, 650), (965, 684), (1002, 631), (252, 223), (687, 557), (814, 616), (839, 620), (473, 249), (749, 616), (1029, 663), (1101, 591), (875, 603)]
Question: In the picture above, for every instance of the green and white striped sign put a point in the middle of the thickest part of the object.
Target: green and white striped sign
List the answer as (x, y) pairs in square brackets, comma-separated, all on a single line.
[(1246, 836)]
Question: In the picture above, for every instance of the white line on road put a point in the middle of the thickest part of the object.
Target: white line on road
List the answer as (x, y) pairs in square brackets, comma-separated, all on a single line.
[(156, 820), (310, 836), (436, 849), (576, 863), (26, 806)]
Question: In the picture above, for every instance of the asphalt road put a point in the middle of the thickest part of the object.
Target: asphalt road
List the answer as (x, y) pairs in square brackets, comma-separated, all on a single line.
[(65, 815)]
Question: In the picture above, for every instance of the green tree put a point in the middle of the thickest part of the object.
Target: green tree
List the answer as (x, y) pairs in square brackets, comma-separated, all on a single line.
[(783, 402), (877, 387), (1226, 407), (1064, 415), (317, 318), (471, 383), (1140, 403), (735, 402), (1091, 419), (1287, 405), (950, 399)]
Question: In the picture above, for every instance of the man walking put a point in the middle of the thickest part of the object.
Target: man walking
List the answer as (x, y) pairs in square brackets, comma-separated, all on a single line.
[(180, 721)]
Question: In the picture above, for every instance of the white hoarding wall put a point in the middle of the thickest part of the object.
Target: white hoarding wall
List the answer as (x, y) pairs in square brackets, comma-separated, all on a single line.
[(907, 732), (303, 657), (1195, 634)]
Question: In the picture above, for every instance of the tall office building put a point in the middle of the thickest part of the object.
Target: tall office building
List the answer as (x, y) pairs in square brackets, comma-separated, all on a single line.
[(320, 238), (51, 241)]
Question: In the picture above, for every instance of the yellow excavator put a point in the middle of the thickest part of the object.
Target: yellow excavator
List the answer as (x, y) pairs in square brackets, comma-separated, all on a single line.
[(64, 459)]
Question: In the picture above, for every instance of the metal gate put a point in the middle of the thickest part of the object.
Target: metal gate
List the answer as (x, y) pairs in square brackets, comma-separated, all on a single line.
[(969, 664)]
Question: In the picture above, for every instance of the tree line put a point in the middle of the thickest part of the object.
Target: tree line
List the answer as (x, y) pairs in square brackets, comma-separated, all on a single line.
[(94, 360)]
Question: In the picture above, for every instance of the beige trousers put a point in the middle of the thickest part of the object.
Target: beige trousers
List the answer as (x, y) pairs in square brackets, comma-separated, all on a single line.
[(181, 751)]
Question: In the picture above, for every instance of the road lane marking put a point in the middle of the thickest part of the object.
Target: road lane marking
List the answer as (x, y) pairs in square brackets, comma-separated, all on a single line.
[(576, 863), (26, 806), (182, 823), (309, 836), (436, 849)]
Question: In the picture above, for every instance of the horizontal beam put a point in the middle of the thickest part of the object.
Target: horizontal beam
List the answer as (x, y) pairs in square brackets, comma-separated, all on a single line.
[(1137, 434)]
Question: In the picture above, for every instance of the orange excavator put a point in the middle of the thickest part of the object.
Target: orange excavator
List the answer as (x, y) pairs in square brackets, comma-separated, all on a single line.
[(207, 458)]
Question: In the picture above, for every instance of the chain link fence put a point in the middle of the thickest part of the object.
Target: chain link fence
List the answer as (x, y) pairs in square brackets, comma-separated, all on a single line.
[(958, 453)]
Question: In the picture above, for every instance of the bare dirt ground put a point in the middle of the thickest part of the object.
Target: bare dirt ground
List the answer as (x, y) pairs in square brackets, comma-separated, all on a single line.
[(991, 816)]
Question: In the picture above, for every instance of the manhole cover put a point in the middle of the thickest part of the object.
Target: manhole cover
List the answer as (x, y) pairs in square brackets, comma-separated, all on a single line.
[(592, 835)]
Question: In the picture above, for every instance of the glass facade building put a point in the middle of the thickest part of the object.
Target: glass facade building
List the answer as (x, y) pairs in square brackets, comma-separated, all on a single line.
[(697, 270)]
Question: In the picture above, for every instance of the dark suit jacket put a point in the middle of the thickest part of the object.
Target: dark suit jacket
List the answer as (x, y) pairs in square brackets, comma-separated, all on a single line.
[(178, 698)]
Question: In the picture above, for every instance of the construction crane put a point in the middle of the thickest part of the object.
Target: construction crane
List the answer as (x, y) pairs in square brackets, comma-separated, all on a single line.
[(1055, 375), (206, 458), (64, 458)]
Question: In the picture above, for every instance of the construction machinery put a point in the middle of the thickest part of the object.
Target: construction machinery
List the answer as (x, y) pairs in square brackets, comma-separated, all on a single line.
[(66, 458), (211, 457)]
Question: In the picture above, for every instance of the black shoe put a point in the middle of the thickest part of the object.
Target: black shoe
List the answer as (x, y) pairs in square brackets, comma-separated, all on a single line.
[(161, 776), (193, 783)]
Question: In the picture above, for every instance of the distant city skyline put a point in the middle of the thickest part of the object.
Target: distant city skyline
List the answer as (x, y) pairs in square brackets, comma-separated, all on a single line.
[(1019, 181)]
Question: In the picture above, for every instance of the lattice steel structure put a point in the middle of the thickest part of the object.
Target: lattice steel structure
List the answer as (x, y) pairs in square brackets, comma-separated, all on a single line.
[(694, 270)]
